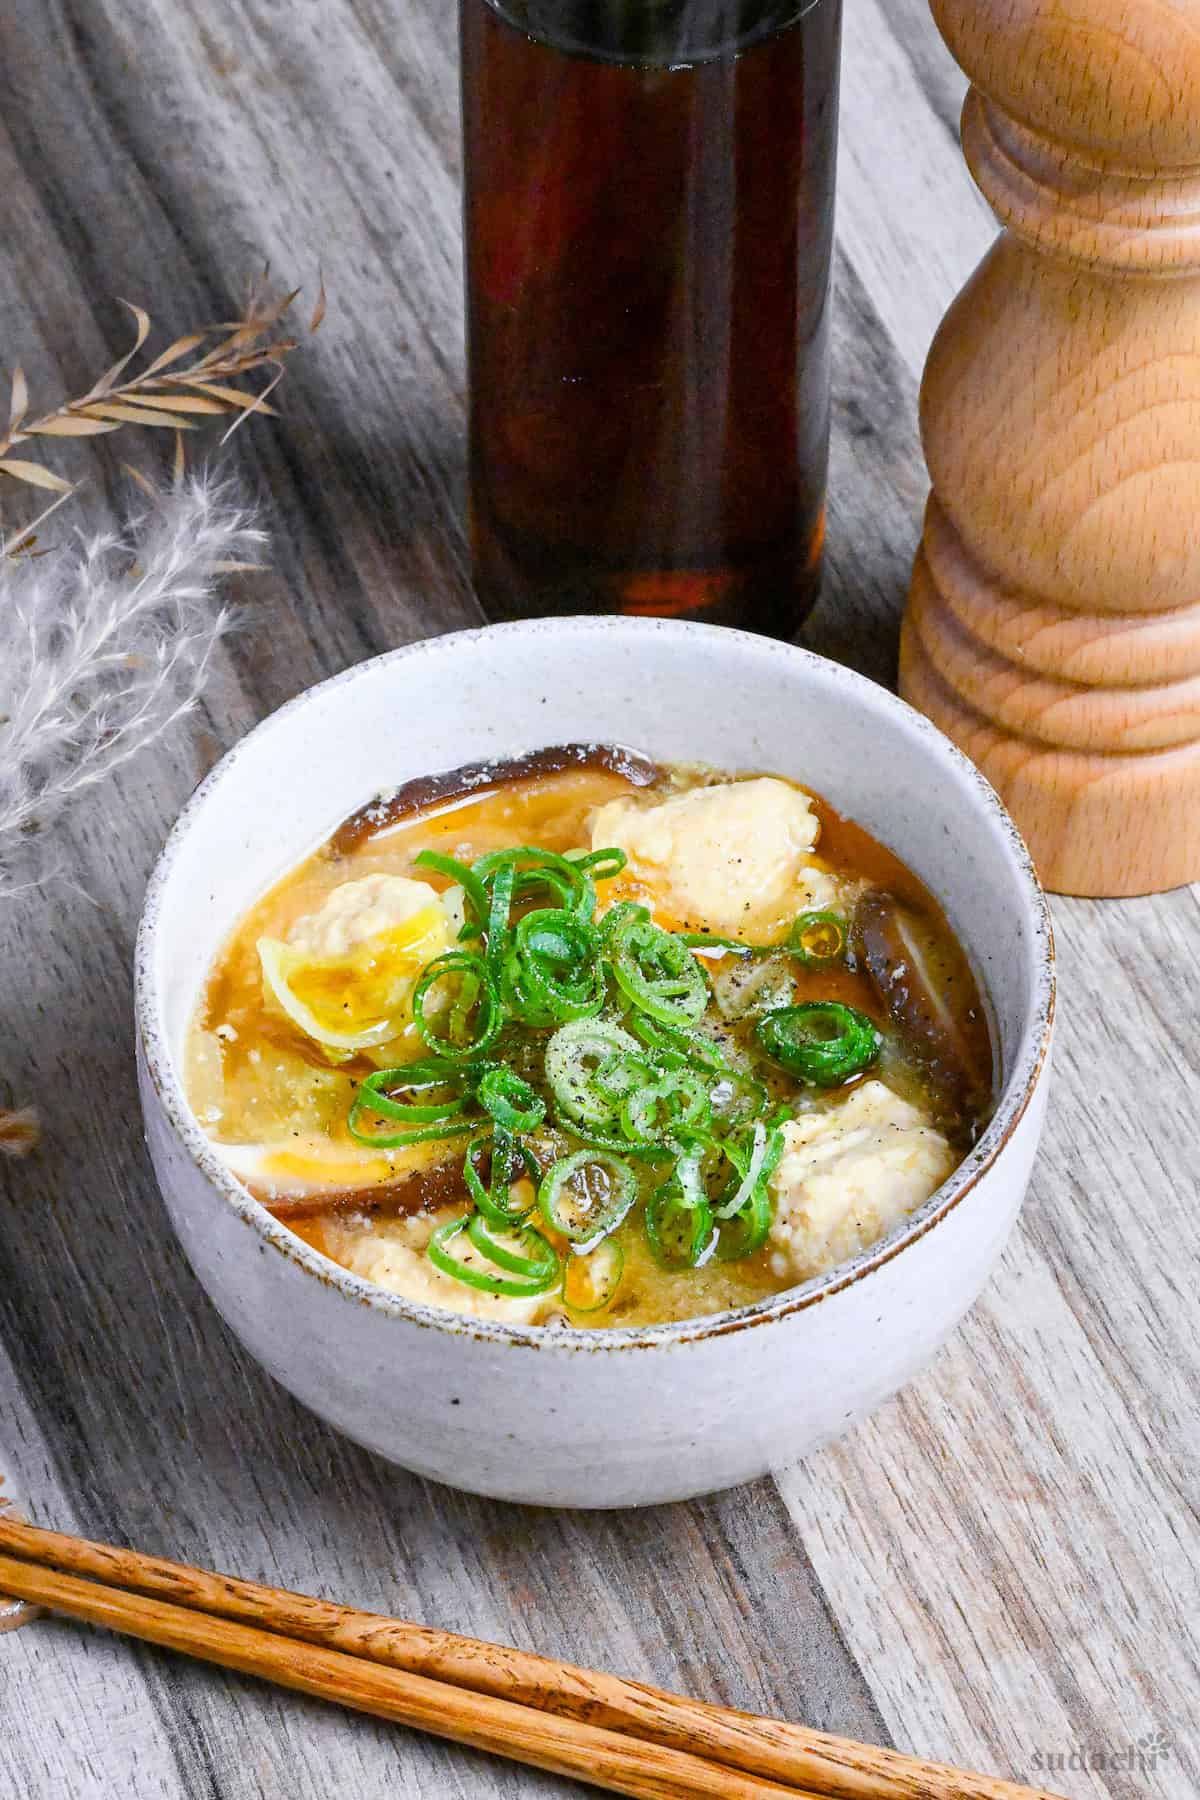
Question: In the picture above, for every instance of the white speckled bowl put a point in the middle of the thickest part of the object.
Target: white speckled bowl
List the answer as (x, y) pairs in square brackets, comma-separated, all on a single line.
[(604, 1418)]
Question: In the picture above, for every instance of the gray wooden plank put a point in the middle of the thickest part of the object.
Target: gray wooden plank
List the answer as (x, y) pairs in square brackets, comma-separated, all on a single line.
[(46, 1747), (1004, 1562), (1011, 1547), (875, 474), (169, 1435), (157, 1428), (909, 217)]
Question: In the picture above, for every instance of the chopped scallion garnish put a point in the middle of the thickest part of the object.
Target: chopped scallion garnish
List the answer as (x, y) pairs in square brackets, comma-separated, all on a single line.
[(469, 1010), (580, 1055), (658, 973), (591, 1278), (821, 1041), (818, 939), (532, 1270), (585, 1196)]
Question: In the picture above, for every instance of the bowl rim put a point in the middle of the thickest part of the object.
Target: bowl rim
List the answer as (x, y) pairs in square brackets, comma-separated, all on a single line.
[(1017, 1093)]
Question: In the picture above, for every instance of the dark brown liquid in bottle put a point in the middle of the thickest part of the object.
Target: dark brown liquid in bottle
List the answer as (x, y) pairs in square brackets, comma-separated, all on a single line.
[(649, 211)]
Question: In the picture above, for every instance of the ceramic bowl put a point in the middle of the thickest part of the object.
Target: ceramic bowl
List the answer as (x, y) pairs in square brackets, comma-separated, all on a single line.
[(560, 1416)]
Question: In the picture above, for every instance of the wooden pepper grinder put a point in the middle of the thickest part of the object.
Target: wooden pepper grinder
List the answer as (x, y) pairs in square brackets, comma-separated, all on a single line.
[(1053, 625)]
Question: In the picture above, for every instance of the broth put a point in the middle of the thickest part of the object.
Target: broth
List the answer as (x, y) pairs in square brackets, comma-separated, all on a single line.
[(275, 1099)]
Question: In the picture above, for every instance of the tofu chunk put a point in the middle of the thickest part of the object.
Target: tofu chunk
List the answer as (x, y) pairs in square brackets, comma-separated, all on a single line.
[(734, 858), (848, 1174), (358, 910), (398, 1262)]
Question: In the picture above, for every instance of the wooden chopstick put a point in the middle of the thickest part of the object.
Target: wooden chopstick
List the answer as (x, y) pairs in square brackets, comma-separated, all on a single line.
[(624, 1765), (624, 1735)]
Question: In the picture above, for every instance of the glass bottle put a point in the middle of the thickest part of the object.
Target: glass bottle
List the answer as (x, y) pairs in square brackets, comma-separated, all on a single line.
[(649, 194)]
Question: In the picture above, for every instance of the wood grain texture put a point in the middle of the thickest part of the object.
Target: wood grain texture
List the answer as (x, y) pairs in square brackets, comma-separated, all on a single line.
[(249, 1626), (1060, 415), (1004, 1563)]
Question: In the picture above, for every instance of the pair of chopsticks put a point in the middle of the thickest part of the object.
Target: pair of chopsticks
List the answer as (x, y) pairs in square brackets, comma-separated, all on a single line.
[(620, 1735)]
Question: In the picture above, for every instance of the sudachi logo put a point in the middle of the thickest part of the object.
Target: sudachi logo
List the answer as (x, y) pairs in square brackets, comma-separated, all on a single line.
[(1142, 1754)]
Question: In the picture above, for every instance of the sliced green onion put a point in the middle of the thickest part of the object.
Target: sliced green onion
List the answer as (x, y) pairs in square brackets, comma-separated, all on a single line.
[(424, 1123), (551, 973), (499, 906), (591, 1278), (668, 1049), (549, 881), (560, 939), (821, 1041), (542, 868), (746, 1232), (622, 1147), (425, 1075), (601, 865), (678, 1046), (818, 939), (654, 1089), (619, 1074), (623, 913), (535, 1273), (584, 1217), (581, 1061), (712, 940), (516, 999), (400, 1140), (473, 889), (508, 1162), (658, 973), (537, 1259), (510, 1100), (476, 996), (755, 1169), (673, 1103), (680, 1236)]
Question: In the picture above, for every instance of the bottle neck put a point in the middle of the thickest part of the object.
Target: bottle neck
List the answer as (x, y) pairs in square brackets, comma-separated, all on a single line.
[(658, 32)]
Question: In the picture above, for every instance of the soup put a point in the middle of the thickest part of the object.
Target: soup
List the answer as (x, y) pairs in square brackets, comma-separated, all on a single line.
[(587, 1039)]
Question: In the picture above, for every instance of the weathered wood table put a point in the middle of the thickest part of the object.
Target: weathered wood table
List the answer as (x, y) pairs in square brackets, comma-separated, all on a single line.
[(1001, 1569)]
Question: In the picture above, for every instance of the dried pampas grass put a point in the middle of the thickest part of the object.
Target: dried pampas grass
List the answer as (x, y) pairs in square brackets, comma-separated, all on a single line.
[(102, 650), (106, 645)]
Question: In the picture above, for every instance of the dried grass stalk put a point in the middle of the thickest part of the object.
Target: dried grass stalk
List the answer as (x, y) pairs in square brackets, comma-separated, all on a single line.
[(189, 382)]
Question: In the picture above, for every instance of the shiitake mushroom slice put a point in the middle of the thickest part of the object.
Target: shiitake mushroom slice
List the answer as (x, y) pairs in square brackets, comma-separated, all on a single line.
[(416, 796), (416, 1191), (924, 981), (424, 1190)]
